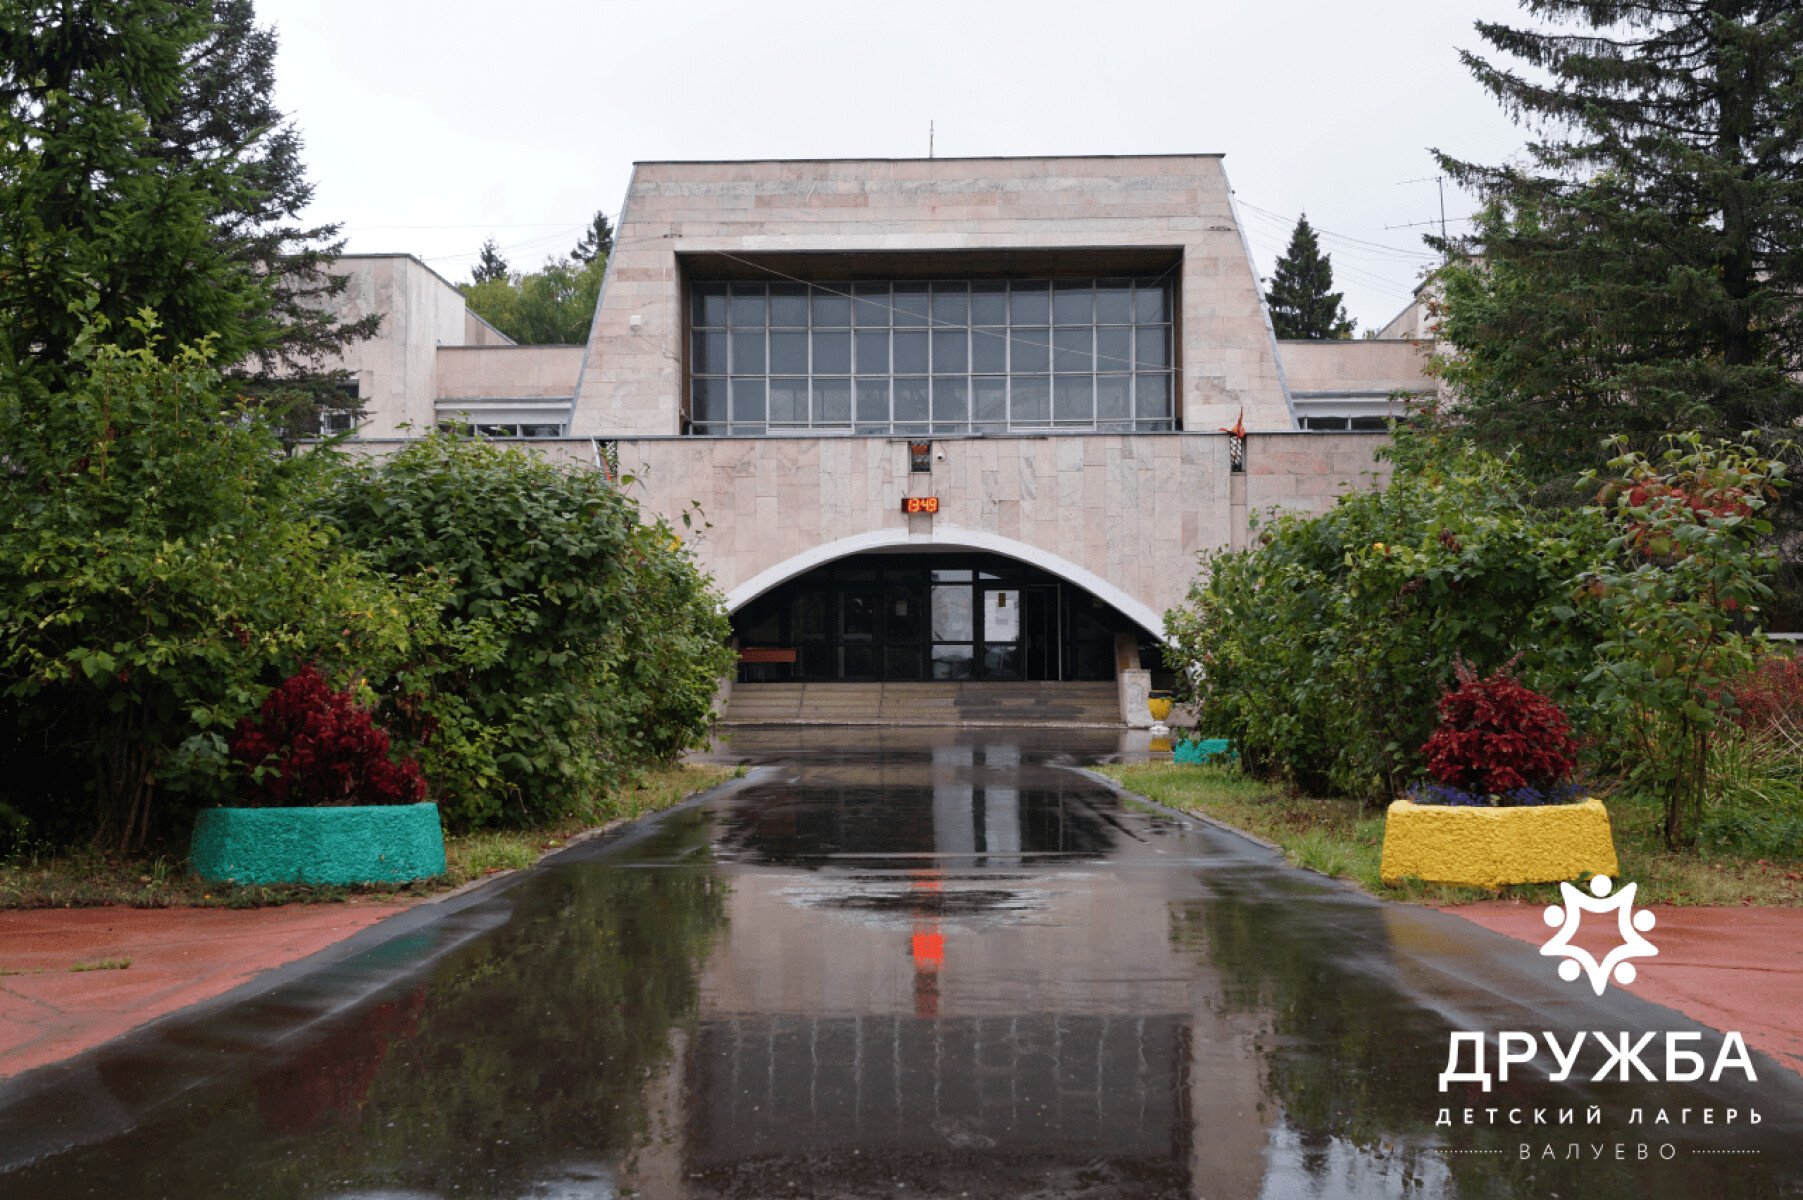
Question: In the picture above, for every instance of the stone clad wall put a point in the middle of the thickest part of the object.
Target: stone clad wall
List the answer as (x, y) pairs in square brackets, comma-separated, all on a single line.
[(1307, 472), (1129, 511), (1124, 515), (632, 383)]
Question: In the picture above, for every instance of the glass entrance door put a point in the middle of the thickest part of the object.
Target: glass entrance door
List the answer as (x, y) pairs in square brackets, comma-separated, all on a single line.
[(1020, 632)]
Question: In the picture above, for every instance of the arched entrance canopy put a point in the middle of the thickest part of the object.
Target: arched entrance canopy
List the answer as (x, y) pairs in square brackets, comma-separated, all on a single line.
[(951, 539)]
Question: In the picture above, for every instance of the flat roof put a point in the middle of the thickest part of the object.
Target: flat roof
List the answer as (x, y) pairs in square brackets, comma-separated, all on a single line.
[(717, 162)]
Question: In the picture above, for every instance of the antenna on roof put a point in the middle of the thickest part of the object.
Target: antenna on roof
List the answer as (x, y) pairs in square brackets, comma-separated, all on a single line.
[(929, 139)]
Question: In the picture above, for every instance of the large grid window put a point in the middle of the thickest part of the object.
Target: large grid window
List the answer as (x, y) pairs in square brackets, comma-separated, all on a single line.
[(911, 358)]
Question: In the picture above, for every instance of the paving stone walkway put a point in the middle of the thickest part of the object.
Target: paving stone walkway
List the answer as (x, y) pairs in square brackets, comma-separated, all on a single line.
[(1729, 968), (179, 956)]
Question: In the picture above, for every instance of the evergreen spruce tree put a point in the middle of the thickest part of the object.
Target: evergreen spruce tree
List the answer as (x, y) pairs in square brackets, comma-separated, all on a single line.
[(597, 240), (490, 266), (225, 109), (95, 221), (143, 166), (1642, 271), (1301, 299)]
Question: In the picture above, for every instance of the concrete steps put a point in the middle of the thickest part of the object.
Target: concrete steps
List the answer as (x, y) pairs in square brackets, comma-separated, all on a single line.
[(1084, 705)]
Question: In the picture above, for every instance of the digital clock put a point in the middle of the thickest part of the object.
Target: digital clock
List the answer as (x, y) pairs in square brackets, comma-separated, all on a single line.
[(920, 504)]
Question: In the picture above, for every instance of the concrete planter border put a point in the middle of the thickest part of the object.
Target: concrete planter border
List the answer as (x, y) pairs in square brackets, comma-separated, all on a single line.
[(1490, 847), (376, 843)]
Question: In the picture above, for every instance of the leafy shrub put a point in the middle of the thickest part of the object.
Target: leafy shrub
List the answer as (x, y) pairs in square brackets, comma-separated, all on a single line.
[(1685, 570), (311, 745), (592, 641), (1322, 648), (1771, 694), (1497, 737), (159, 572)]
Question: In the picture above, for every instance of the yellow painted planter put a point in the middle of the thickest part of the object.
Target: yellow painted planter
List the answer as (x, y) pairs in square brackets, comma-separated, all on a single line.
[(1488, 847), (1159, 707)]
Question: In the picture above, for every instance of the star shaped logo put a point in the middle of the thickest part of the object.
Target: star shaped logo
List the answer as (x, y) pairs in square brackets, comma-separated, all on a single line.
[(1631, 924)]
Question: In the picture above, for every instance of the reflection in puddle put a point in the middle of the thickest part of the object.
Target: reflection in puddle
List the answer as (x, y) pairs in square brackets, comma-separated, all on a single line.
[(931, 965)]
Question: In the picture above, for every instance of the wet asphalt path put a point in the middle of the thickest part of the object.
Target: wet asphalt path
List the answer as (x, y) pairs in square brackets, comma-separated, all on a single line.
[(905, 964)]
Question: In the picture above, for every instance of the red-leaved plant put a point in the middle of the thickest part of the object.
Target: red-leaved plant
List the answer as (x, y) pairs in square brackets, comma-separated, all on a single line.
[(317, 746), (1770, 696), (1497, 735)]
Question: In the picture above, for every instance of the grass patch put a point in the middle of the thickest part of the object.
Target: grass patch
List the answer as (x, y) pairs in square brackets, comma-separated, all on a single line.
[(84, 879), (1340, 838), (105, 964)]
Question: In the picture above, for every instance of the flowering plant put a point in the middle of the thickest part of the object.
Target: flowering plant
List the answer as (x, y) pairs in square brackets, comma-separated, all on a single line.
[(1499, 739), (311, 745)]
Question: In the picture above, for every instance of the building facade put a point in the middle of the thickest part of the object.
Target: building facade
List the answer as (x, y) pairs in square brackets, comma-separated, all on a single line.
[(949, 421)]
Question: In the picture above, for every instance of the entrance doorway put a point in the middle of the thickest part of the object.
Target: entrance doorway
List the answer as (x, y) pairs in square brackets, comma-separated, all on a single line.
[(928, 617)]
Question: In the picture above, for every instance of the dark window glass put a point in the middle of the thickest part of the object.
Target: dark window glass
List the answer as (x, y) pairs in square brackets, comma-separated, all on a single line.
[(907, 611), (951, 304), (910, 399), (1152, 396), (858, 614), (931, 357), (860, 662), (708, 304), (1031, 402), (709, 399), (873, 404), (832, 401), (807, 616), (988, 304), (873, 352), (1370, 424), (709, 354), (910, 352), (832, 352), (903, 662), (1071, 350), (830, 307), (1029, 350), (872, 306), (953, 662), (1149, 303), (748, 353), (1114, 348), (1114, 399), (1073, 303), (950, 352), (747, 400), (953, 615), (990, 399), (989, 350), (747, 309), (1114, 303), (1154, 346), (788, 354), (951, 401), (911, 304), (788, 401), (789, 305), (1073, 399), (1029, 304)]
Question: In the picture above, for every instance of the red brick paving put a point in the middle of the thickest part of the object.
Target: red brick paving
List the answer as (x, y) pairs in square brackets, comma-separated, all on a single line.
[(1727, 968), (179, 956)]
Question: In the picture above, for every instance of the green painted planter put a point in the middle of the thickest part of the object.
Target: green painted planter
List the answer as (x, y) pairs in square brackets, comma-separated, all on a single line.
[(376, 843)]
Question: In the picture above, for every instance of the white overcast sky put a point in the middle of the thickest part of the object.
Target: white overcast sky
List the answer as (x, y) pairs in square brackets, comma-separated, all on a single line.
[(432, 125)]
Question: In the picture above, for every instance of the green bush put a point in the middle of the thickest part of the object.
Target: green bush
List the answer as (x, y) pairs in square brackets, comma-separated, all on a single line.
[(1322, 648), (157, 575), (1678, 589), (597, 642)]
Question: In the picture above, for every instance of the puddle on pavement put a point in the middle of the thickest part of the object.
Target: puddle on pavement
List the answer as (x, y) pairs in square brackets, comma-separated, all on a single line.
[(920, 965)]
